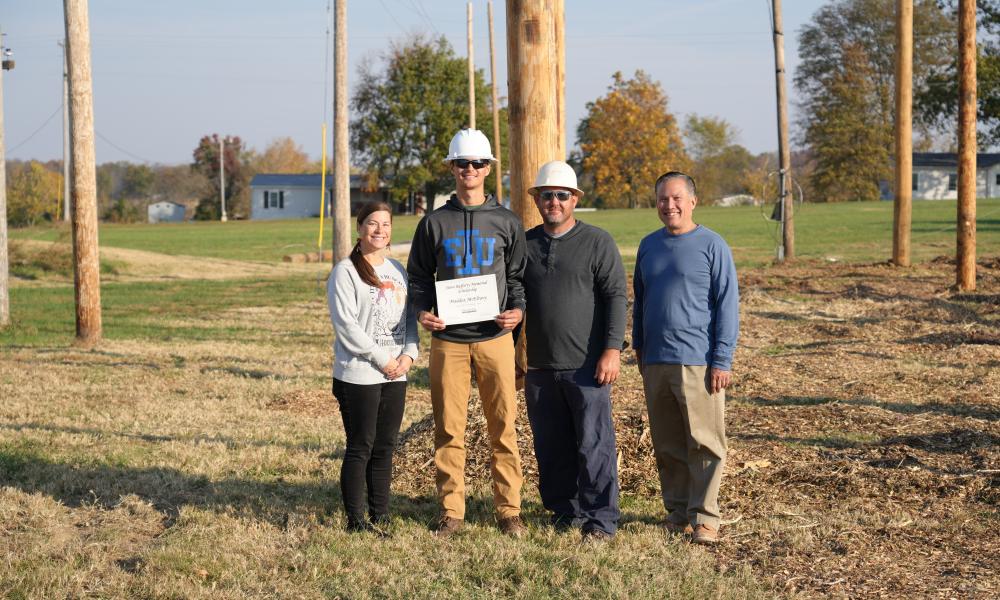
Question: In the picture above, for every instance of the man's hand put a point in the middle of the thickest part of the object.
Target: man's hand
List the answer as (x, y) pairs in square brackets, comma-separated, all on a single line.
[(430, 321), (720, 380), (638, 360), (608, 366), (402, 364), (508, 319)]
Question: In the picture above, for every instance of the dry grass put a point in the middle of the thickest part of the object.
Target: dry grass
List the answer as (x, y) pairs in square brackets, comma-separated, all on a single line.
[(864, 462)]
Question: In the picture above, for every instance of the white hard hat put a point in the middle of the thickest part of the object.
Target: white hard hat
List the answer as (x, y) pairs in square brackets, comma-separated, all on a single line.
[(470, 144), (556, 174)]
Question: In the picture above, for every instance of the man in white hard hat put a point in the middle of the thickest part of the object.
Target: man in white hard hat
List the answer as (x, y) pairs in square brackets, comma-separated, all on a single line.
[(471, 235), (575, 328), (685, 321)]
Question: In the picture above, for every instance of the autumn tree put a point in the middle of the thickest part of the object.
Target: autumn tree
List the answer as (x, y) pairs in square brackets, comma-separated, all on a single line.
[(407, 109), (206, 162), (282, 155), (32, 193), (937, 104), (847, 56), (718, 162), (627, 139)]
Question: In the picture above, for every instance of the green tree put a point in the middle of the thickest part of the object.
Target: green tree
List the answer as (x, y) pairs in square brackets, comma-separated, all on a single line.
[(862, 33), (206, 163), (937, 103), (851, 147), (718, 161), (406, 113), (32, 193), (627, 140)]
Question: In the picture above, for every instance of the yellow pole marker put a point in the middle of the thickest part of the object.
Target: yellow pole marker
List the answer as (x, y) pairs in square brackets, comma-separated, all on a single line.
[(322, 194)]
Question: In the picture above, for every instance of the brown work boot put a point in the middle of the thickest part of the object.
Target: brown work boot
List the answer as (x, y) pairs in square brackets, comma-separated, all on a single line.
[(675, 528), (512, 526), (705, 534), (447, 526)]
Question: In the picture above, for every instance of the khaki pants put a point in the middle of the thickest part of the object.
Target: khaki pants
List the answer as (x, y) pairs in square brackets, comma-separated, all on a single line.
[(688, 426), (451, 383)]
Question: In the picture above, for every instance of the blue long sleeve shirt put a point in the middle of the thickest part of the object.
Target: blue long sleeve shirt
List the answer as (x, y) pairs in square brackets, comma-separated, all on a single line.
[(686, 309)]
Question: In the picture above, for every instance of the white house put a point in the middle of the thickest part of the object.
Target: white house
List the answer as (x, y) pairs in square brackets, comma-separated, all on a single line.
[(288, 196), (935, 175), (164, 212)]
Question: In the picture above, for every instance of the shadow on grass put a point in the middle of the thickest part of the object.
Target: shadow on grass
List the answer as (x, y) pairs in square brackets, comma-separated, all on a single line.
[(951, 409)]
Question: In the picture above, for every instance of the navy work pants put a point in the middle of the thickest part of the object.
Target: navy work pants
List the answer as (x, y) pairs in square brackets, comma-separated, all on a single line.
[(570, 417)]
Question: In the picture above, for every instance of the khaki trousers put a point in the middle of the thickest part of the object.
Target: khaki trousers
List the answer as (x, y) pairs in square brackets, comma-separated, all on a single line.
[(451, 384), (688, 427)]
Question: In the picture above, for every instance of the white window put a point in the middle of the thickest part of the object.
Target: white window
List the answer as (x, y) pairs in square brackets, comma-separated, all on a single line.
[(952, 182), (274, 199), (916, 180)]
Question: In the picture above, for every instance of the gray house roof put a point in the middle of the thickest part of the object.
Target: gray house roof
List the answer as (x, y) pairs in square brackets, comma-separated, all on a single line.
[(300, 180), (950, 159)]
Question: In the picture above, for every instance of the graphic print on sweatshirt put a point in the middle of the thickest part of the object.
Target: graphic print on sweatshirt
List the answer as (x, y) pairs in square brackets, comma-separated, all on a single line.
[(469, 251), (388, 310)]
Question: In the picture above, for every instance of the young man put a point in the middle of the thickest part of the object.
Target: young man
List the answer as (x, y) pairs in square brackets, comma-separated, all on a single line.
[(471, 235), (575, 327), (685, 323)]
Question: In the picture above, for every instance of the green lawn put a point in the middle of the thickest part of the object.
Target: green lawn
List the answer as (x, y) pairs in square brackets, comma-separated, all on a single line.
[(859, 231)]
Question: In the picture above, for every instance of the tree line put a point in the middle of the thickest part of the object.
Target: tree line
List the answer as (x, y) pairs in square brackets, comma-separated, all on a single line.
[(408, 104)]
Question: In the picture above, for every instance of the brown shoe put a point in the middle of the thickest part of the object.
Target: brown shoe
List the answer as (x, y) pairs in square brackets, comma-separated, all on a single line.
[(677, 528), (704, 534), (512, 526), (447, 526)]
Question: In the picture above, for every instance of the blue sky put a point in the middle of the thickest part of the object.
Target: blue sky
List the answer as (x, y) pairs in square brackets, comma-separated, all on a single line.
[(166, 73)]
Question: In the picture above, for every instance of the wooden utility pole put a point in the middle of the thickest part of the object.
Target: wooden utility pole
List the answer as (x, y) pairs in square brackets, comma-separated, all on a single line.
[(472, 66), (86, 259), (559, 34), (902, 206), (965, 264), (497, 153), (65, 123), (785, 196), (222, 176), (532, 85), (341, 158), (4, 259)]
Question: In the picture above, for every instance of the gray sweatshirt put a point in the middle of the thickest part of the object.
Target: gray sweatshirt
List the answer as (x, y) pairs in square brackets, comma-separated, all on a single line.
[(372, 325)]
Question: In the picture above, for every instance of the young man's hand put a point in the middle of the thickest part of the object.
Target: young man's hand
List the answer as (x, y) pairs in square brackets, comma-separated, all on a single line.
[(508, 319), (430, 321), (608, 366)]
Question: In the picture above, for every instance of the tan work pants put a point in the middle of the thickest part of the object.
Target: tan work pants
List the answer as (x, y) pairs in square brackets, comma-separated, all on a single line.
[(688, 427), (451, 383)]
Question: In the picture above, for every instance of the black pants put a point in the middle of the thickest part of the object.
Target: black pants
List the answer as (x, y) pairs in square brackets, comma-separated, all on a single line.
[(570, 417), (372, 415)]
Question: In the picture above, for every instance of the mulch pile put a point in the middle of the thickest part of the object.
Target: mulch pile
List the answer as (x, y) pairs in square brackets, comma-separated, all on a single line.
[(864, 432)]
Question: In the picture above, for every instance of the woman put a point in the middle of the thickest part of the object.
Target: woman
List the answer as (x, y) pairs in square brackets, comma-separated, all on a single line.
[(376, 343)]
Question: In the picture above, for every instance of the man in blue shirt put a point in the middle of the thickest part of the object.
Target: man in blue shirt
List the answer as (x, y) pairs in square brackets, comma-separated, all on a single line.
[(684, 328)]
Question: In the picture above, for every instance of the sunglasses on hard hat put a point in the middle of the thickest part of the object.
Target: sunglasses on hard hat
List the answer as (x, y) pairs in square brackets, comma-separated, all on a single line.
[(461, 163), (560, 195)]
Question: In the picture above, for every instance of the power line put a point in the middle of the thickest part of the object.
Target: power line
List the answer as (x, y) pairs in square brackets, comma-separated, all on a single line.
[(37, 131), (120, 149), (391, 16)]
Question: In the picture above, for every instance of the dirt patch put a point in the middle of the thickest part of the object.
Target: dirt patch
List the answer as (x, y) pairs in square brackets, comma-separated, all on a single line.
[(864, 431)]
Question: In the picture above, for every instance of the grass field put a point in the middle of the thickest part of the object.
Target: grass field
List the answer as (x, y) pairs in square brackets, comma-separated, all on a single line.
[(196, 451)]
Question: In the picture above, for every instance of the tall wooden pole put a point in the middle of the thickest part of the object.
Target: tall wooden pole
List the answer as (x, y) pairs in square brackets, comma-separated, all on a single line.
[(341, 159), (4, 259), (472, 66), (497, 151), (532, 83), (965, 263), (785, 195), (559, 12), (66, 151), (86, 259), (902, 207)]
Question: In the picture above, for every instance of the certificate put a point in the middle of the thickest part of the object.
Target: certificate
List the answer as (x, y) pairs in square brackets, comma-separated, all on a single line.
[(467, 300)]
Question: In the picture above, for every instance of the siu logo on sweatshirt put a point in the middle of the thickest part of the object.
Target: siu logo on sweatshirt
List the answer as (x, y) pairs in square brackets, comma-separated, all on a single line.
[(469, 251)]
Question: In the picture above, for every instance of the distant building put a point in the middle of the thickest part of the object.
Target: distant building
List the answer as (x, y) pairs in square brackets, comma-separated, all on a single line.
[(165, 212), (935, 176), (287, 196)]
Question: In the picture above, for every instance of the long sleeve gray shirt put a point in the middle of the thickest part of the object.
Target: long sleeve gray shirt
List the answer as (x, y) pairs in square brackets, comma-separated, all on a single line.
[(372, 325), (576, 295)]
